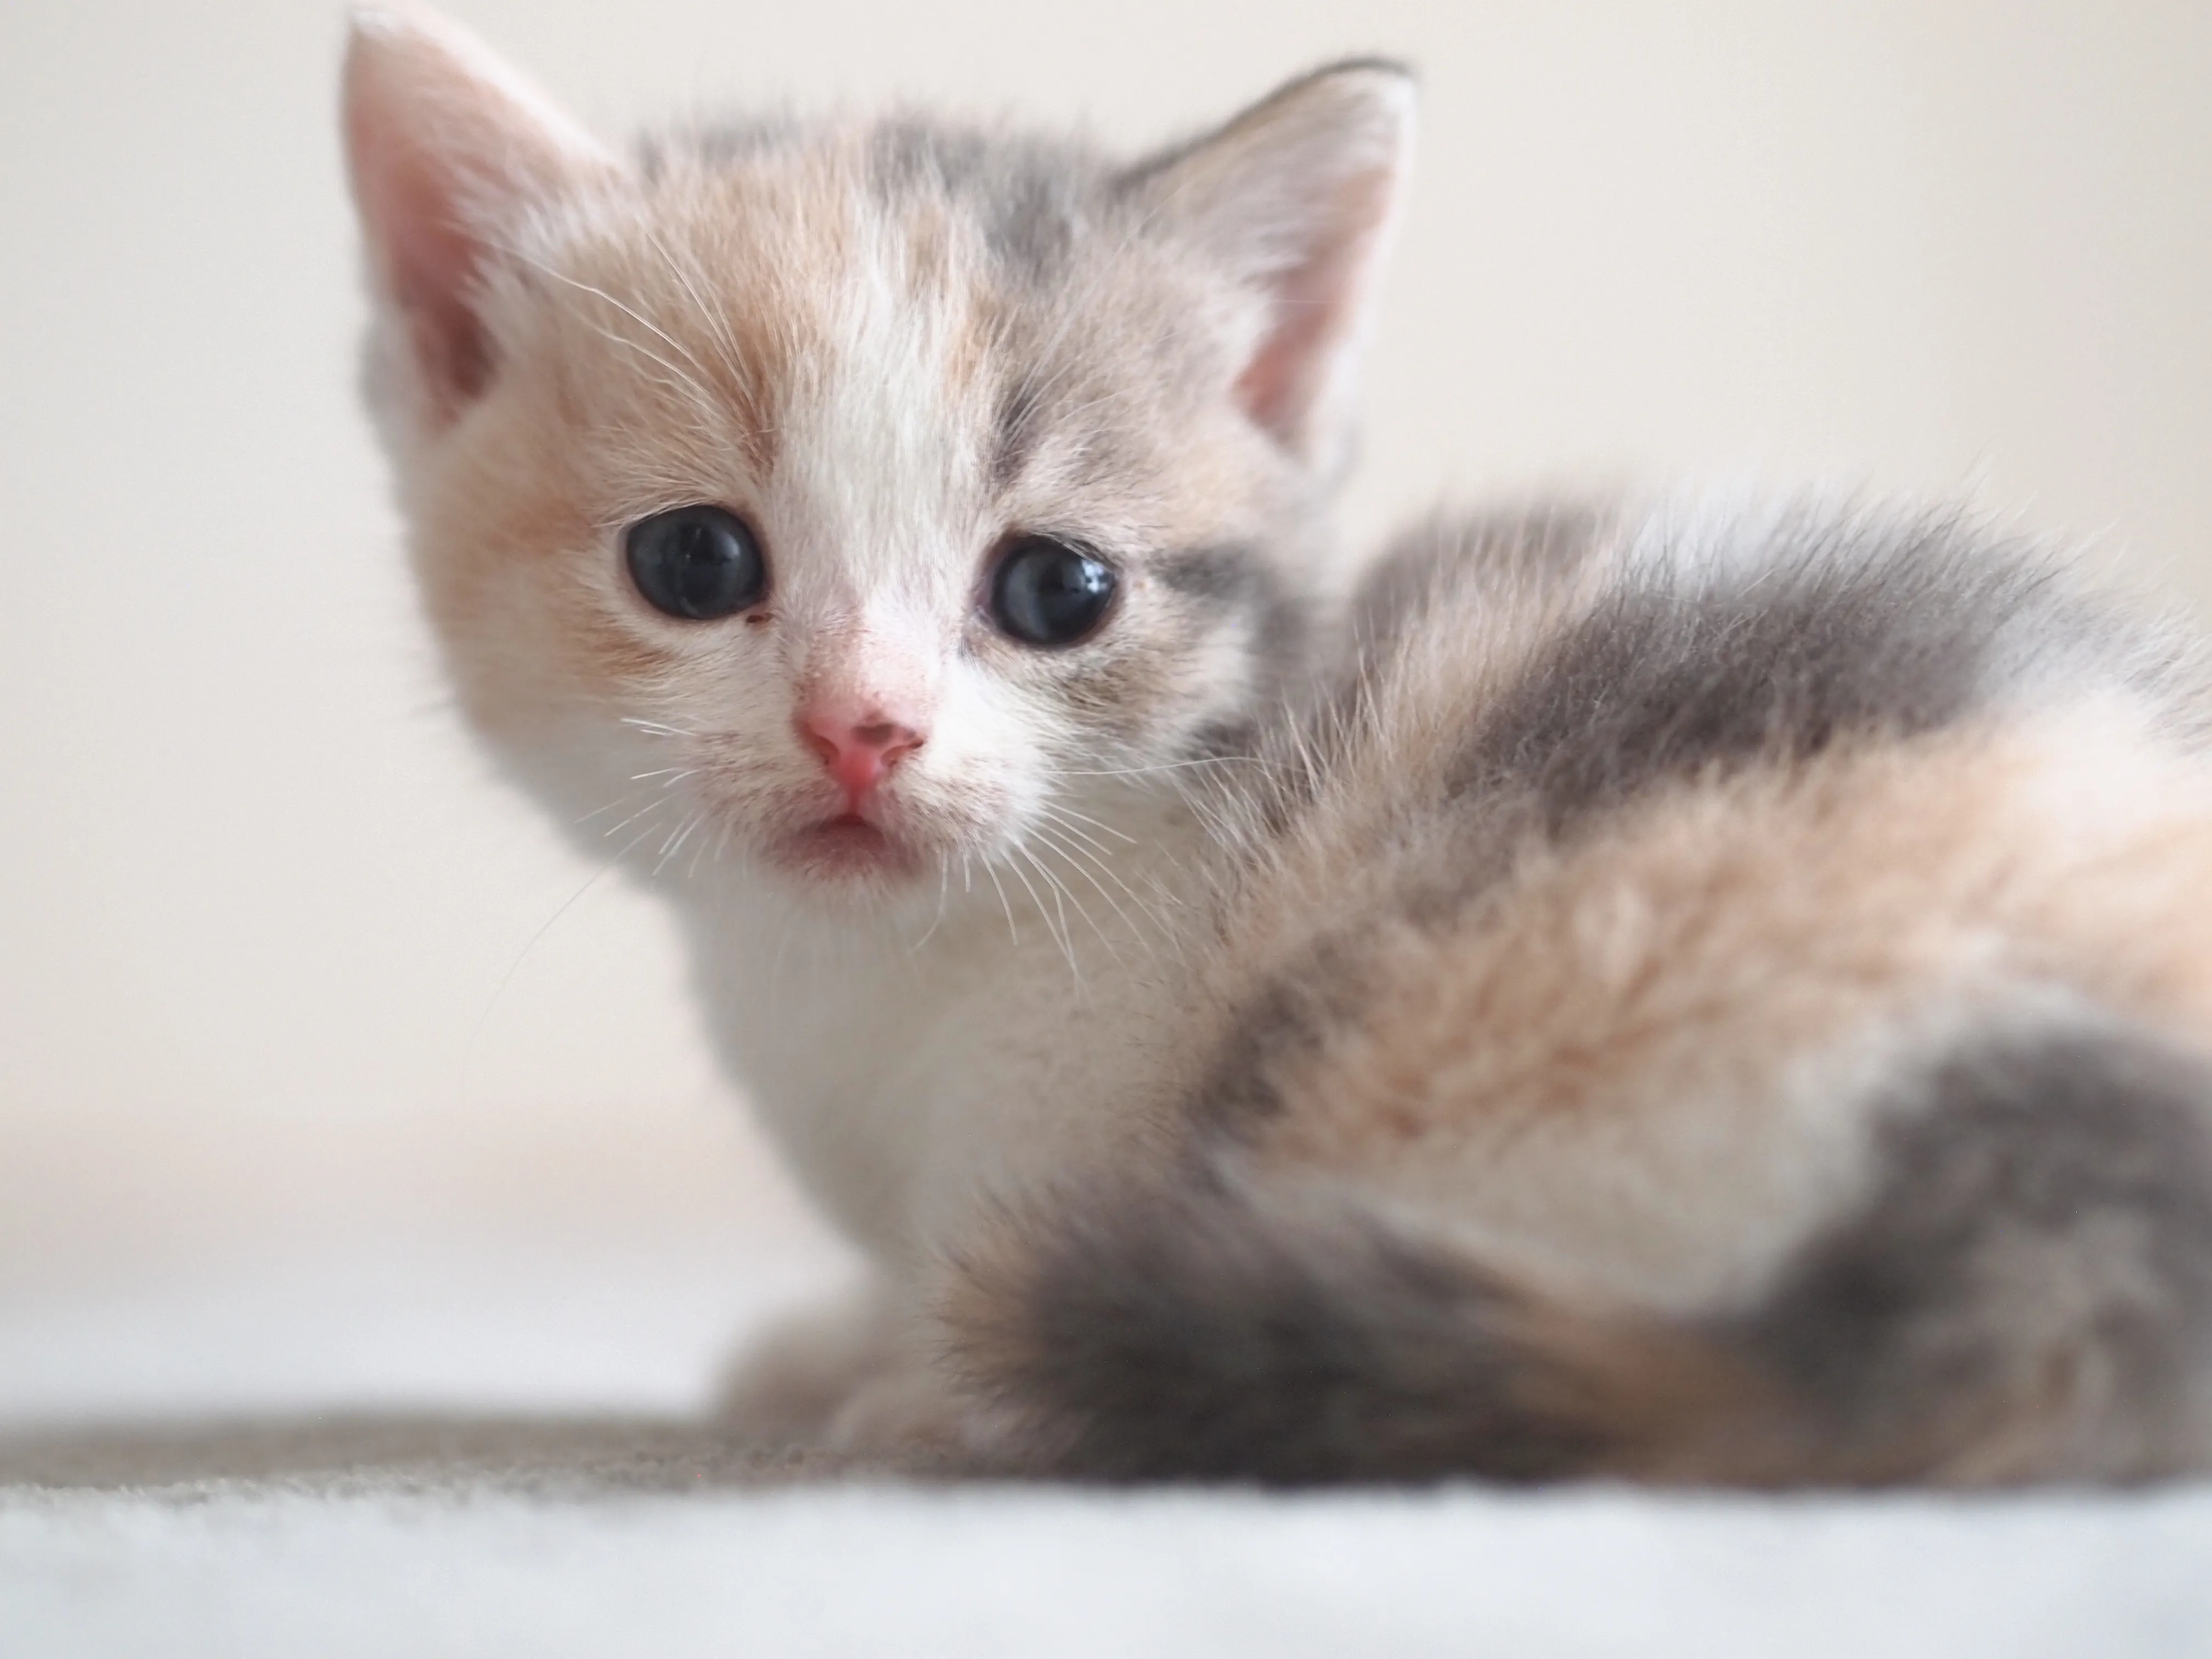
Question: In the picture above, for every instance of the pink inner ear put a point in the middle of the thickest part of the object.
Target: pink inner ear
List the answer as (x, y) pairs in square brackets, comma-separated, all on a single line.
[(1315, 304), (1278, 386), (434, 268), (429, 256)]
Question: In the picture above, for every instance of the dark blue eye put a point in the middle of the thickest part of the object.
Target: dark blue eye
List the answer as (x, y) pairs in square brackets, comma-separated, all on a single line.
[(697, 562), (1046, 592)]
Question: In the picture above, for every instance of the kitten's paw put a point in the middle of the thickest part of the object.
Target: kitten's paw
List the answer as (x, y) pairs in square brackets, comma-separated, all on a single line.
[(905, 1418), (855, 1381), (793, 1382)]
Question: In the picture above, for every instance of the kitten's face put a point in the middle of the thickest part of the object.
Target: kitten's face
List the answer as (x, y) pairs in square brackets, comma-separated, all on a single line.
[(881, 410), (837, 503)]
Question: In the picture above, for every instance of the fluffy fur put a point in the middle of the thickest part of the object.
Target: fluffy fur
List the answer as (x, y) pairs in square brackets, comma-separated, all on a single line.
[(1705, 994), (1749, 1030)]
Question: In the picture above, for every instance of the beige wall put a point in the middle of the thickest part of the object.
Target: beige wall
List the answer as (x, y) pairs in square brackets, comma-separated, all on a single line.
[(247, 870)]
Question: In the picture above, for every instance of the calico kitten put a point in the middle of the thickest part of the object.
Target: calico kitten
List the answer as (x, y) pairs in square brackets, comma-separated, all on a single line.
[(1700, 993)]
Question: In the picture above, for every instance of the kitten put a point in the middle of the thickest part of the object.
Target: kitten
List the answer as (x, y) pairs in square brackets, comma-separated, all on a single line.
[(1695, 993)]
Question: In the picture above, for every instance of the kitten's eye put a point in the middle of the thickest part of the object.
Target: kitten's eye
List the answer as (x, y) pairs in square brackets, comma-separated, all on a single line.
[(1047, 593), (697, 562)]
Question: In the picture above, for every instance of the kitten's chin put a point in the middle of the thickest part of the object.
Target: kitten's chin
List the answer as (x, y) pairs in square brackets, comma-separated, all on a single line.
[(847, 855)]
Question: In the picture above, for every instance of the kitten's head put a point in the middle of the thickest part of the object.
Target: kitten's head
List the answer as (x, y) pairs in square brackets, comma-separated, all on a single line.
[(844, 497)]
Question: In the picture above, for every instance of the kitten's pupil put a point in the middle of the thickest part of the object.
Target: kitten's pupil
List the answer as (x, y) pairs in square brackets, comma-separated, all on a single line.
[(697, 562), (1047, 593)]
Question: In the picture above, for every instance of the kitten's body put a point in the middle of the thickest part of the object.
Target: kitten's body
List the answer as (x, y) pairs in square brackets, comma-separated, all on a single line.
[(1719, 995), (1710, 995)]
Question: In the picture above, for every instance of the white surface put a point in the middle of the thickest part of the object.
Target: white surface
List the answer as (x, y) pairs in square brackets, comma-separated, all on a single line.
[(971, 1574)]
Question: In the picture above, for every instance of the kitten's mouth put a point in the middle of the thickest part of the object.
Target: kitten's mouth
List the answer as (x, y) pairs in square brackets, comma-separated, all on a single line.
[(845, 847)]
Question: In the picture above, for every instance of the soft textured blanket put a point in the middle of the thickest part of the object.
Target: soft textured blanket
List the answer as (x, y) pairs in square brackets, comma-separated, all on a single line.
[(471, 1537)]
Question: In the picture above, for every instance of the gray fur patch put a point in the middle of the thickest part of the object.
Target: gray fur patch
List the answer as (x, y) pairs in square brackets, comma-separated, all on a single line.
[(723, 144), (1443, 561), (1228, 579), (1225, 575), (1016, 426), (1030, 194), (2043, 1225), (1844, 627), (1032, 225), (1280, 1028), (1200, 1335), (1052, 400)]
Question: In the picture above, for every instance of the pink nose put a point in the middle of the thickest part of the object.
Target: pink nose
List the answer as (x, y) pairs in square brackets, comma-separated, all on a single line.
[(857, 752)]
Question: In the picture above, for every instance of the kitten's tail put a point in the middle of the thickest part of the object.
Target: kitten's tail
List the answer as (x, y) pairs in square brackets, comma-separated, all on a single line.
[(1222, 1331)]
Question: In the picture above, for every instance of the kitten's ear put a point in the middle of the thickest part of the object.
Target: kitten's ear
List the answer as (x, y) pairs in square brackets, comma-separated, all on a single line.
[(1298, 195), (449, 150)]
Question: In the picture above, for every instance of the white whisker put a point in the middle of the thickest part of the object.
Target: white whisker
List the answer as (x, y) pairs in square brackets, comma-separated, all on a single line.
[(654, 805), (1062, 895), (1063, 811), (1136, 934), (1013, 934), (638, 317), (1073, 825), (669, 849), (1059, 935), (1165, 766), (658, 728), (1067, 835), (944, 884)]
